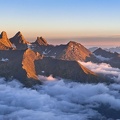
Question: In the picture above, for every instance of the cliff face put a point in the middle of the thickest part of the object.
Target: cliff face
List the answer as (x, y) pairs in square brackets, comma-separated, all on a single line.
[(5, 44), (28, 63)]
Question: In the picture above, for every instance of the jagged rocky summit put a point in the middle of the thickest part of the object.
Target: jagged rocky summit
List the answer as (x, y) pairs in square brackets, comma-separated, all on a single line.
[(5, 44), (19, 41)]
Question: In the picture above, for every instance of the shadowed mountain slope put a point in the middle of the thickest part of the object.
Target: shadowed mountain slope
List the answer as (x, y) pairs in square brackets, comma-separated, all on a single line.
[(65, 69), (108, 57), (70, 51), (19, 41)]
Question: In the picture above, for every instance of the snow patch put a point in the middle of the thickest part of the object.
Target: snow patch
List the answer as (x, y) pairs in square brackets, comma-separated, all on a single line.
[(4, 59), (42, 71), (13, 45)]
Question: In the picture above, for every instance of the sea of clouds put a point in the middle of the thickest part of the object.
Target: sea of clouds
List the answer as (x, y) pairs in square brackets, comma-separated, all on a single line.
[(103, 68), (58, 99), (62, 99)]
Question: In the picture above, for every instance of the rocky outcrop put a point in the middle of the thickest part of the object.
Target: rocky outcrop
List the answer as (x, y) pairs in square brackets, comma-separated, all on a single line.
[(28, 63), (19, 41), (5, 44)]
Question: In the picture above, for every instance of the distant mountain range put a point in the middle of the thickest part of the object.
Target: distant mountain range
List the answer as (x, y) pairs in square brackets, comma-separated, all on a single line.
[(113, 49), (24, 61)]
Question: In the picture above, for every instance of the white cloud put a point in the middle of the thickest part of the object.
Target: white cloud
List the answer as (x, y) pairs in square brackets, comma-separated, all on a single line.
[(56, 100), (44, 78), (103, 68)]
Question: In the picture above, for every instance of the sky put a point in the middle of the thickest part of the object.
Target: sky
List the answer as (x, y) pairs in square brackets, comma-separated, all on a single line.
[(62, 20)]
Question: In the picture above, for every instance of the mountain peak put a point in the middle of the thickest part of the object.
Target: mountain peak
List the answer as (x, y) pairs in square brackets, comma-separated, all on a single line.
[(3, 35), (19, 41), (41, 41), (19, 33), (74, 43), (105, 53), (75, 51)]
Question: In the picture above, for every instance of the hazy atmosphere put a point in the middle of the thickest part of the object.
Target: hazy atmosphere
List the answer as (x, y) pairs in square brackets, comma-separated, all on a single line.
[(62, 20)]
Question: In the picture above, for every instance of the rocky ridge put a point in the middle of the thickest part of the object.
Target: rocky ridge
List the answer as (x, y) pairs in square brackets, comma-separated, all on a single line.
[(25, 64)]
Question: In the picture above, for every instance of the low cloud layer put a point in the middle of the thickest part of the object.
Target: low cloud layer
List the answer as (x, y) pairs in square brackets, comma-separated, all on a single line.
[(104, 69), (101, 58), (56, 100)]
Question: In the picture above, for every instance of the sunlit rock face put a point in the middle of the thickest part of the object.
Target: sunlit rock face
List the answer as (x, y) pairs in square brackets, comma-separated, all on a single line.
[(75, 51), (29, 57), (5, 44), (19, 64)]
